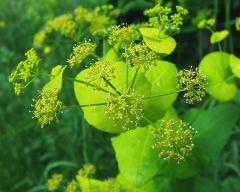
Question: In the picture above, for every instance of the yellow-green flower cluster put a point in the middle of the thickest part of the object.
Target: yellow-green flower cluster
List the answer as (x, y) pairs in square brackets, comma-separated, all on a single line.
[(101, 72), (72, 187), (63, 24), (192, 82), (88, 170), (54, 182), (80, 52), (122, 35), (25, 71), (39, 38), (165, 18), (125, 110), (174, 140), (111, 185), (2, 24), (47, 106), (207, 24), (140, 55), (237, 23), (98, 19)]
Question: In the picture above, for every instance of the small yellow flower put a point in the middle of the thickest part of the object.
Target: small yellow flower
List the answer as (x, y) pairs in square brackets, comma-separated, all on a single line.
[(25, 71), (101, 72), (125, 110), (72, 187), (192, 83), (39, 39), (122, 35), (174, 140), (88, 170), (54, 182), (80, 52), (140, 55), (63, 24), (47, 106), (207, 24), (47, 50), (80, 13)]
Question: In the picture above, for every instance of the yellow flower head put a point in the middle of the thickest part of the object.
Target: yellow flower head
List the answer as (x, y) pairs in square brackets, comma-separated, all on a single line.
[(207, 23), (88, 170), (63, 24), (167, 19), (72, 186), (192, 83), (47, 50), (25, 71), (140, 55), (80, 13), (122, 35), (39, 39), (54, 182), (80, 52), (125, 110), (174, 140), (47, 106), (101, 72)]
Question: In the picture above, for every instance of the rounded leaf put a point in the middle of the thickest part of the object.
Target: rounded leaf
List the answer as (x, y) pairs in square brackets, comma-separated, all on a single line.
[(235, 65), (157, 41), (218, 36), (216, 68)]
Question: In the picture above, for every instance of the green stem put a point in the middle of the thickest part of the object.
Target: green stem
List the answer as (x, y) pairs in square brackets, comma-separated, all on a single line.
[(134, 78), (127, 74), (86, 105), (84, 135), (112, 86), (149, 121), (160, 95), (88, 84)]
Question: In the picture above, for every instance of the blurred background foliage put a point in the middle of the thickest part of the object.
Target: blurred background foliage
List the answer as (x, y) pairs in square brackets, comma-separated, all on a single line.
[(28, 154)]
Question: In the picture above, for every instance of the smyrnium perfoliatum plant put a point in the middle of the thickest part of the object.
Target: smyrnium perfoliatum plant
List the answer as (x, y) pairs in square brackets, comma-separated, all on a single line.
[(123, 83)]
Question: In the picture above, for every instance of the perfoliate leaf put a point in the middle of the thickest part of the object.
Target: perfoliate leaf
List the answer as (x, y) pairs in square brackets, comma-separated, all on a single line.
[(56, 78), (157, 41), (235, 65), (216, 68), (137, 161), (218, 36)]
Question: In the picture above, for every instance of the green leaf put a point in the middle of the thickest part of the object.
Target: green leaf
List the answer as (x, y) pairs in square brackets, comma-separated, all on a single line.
[(90, 185), (56, 78), (157, 41), (235, 65), (214, 129), (95, 115), (218, 36), (216, 67), (158, 79), (137, 161), (163, 78), (154, 185)]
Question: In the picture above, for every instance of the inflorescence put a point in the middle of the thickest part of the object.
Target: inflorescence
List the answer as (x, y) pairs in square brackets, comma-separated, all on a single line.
[(125, 110), (101, 72), (165, 19), (140, 55), (122, 35), (80, 52), (47, 106), (88, 170), (25, 71), (207, 24), (54, 182), (192, 82), (174, 139)]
